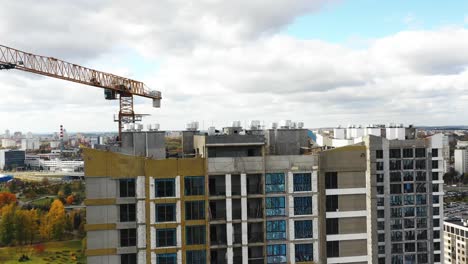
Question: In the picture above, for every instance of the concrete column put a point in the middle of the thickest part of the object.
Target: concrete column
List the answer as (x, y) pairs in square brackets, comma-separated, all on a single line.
[(153, 237), (245, 255), (243, 184), (179, 256), (177, 186), (244, 233), (152, 213), (290, 182), (230, 255), (314, 181), (292, 253), (178, 212), (229, 234), (243, 209), (228, 185), (179, 236), (140, 187), (141, 212), (152, 193), (141, 257), (228, 209), (291, 229), (290, 205), (141, 236)]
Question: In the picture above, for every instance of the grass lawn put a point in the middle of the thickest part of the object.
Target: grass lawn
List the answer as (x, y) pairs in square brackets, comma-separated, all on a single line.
[(55, 252), (44, 201)]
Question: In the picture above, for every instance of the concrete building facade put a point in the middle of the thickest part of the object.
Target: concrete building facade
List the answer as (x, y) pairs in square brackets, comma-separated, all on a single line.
[(456, 241)]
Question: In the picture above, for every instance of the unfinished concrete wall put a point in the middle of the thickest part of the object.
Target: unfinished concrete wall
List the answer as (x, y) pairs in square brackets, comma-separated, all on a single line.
[(145, 144), (286, 141)]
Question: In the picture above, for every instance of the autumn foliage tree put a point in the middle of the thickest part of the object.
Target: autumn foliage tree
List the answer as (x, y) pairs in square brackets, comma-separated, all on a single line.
[(53, 223), (7, 198), (70, 199)]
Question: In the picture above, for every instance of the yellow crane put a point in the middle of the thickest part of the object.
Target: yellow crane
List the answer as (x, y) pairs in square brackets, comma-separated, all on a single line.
[(115, 87)]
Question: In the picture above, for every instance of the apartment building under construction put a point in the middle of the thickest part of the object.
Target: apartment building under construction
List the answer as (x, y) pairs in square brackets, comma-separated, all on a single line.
[(260, 196)]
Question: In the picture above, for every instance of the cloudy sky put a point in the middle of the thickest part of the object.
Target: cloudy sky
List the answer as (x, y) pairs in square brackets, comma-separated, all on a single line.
[(215, 61)]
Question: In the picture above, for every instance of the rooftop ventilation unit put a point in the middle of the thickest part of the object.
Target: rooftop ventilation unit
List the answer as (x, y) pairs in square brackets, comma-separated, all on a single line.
[(274, 125), (255, 124), (211, 131), (300, 124)]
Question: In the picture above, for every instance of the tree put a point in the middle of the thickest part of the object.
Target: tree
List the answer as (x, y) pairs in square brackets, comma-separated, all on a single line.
[(53, 223), (70, 199), (32, 224), (7, 198), (7, 229)]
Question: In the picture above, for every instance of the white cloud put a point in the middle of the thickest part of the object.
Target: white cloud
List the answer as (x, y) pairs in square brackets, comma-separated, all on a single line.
[(220, 61)]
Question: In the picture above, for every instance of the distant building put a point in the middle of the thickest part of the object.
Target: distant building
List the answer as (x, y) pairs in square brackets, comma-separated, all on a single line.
[(30, 144), (456, 241), (461, 160), (11, 159), (8, 143)]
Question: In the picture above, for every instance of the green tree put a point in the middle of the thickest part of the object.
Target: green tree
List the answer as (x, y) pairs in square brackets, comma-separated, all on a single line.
[(7, 228)]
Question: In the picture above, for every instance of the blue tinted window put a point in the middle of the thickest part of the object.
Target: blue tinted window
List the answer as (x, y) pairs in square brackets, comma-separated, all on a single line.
[(275, 206), (274, 182)]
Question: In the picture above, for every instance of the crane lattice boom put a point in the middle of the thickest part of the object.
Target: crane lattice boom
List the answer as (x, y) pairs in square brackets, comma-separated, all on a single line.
[(114, 85)]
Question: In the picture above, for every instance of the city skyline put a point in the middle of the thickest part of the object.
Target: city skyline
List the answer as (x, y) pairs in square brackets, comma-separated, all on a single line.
[(318, 62)]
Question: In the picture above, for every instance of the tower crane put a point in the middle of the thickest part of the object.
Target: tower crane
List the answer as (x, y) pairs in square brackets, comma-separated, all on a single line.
[(115, 87)]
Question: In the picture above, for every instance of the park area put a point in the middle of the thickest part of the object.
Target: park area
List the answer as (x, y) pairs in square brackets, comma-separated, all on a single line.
[(52, 252)]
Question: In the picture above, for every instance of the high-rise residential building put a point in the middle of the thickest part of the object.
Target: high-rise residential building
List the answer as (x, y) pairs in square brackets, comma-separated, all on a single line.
[(262, 196), (461, 160), (456, 241)]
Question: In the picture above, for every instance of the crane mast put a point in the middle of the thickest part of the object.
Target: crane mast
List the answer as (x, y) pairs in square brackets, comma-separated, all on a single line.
[(115, 87)]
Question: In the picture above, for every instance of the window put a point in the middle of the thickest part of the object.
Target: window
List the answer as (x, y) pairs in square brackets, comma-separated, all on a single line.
[(333, 249), (421, 235), (435, 164), (166, 258), (128, 259), (420, 153), (166, 237), (437, 246), (303, 229), (304, 252), (381, 237), (421, 199), (165, 187), (421, 222), (436, 234), (276, 253), (195, 257), (395, 153), (410, 247), (396, 212), (332, 203), (331, 180), (408, 153), (409, 199), (397, 259), (435, 199), (127, 212), (408, 176), (195, 235), (332, 226), (409, 211), (303, 205), (410, 258), (420, 164), (395, 176), (275, 206), (380, 201), (302, 182), (397, 236), (194, 185), (395, 200), (422, 258), (396, 224), (435, 153), (395, 165), (379, 166), (408, 164), (435, 176), (380, 190), (380, 225), (381, 249), (421, 211), (435, 210), (397, 248), (395, 188), (195, 210), (127, 237), (409, 223), (276, 230), (420, 176), (127, 187), (408, 188), (274, 182), (382, 260), (380, 177), (380, 214), (379, 154), (165, 212)]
